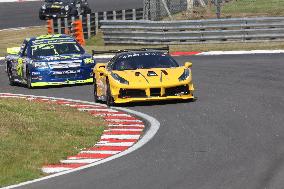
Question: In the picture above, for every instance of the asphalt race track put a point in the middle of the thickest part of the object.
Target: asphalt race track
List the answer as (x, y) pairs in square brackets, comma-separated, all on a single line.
[(231, 138), (24, 14)]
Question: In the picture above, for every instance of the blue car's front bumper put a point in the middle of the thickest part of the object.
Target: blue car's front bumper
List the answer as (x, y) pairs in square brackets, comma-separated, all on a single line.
[(45, 77)]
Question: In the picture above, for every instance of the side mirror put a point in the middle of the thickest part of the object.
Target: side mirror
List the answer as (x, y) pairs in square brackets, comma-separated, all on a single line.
[(102, 70), (187, 64)]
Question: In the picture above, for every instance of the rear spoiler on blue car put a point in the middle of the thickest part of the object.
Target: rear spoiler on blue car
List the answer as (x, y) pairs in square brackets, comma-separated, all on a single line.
[(166, 49)]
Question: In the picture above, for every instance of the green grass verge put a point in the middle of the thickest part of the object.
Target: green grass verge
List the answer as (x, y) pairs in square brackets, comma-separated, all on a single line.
[(235, 8), (242, 8), (14, 38), (34, 134)]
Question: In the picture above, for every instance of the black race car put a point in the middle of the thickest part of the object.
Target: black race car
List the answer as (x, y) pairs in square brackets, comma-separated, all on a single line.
[(63, 8)]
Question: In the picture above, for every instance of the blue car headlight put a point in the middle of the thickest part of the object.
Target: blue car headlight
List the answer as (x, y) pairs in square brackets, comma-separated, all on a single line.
[(119, 79), (185, 75)]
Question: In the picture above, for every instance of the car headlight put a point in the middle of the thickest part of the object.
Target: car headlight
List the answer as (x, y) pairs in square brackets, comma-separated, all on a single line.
[(119, 79), (184, 75), (43, 7), (40, 64), (66, 7)]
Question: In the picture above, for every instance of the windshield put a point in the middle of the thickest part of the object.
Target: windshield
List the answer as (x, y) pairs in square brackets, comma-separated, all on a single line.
[(144, 61), (56, 49)]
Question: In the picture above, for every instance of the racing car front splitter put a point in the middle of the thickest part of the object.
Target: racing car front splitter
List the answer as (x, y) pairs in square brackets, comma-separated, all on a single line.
[(42, 84)]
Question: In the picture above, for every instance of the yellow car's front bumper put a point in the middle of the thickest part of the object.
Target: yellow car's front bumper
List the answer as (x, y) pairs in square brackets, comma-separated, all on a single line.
[(158, 98), (185, 93)]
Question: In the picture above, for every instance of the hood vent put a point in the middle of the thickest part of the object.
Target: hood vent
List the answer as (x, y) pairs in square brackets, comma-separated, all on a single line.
[(151, 73)]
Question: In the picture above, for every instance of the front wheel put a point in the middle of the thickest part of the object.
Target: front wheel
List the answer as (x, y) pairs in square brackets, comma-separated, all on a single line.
[(87, 10), (10, 75), (29, 81), (109, 99), (73, 12), (41, 16), (95, 91)]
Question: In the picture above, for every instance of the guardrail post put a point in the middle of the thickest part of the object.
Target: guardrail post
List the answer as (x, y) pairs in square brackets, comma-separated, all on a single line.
[(89, 26), (59, 25), (66, 29), (123, 14), (105, 15), (114, 15), (97, 22), (133, 14)]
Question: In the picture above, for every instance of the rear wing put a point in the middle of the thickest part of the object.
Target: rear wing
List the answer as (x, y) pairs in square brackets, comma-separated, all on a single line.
[(13, 50), (166, 49)]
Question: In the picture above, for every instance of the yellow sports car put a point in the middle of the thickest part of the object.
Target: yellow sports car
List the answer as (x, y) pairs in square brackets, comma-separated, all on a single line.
[(141, 75)]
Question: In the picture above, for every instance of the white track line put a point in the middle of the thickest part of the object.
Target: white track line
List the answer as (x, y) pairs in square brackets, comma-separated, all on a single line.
[(241, 52), (124, 120), (126, 125), (96, 109), (124, 129), (116, 144), (50, 170), (120, 136), (99, 152), (69, 161)]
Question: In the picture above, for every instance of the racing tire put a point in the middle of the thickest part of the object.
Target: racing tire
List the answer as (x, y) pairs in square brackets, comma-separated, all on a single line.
[(87, 11), (41, 17), (29, 81), (74, 12), (109, 99), (10, 75), (95, 91)]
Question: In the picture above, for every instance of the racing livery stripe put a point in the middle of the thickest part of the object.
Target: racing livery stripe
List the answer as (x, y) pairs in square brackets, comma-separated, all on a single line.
[(122, 132)]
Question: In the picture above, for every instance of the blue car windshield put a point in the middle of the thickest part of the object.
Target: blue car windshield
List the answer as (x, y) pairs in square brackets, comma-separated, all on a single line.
[(144, 61), (56, 49)]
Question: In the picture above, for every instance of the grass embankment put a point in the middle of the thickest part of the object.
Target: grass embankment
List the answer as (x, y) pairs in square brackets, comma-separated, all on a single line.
[(14, 38), (236, 8), (34, 134)]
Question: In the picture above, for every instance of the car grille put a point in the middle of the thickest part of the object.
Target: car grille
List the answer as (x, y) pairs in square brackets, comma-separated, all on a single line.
[(131, 93), (155, 92), (53, 10), (65, 76), (175, 91)]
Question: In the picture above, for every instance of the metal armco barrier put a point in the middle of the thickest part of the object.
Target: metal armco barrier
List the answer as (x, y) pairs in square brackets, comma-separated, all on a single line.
[(91, 22), (193, 31)]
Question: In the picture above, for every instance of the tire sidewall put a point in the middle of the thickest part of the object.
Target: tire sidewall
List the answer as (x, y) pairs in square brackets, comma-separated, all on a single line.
[(95, 90), (10, 75), (109, 99), (29, 81)]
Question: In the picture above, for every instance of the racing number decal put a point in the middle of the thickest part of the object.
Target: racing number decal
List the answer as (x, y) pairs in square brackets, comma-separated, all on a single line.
[(20, 67)]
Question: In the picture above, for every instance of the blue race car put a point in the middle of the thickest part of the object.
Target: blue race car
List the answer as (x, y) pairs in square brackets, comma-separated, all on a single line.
[(49, 60)]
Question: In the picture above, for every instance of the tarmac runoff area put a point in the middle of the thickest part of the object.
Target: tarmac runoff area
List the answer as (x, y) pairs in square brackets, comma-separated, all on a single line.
[(126, 132)]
